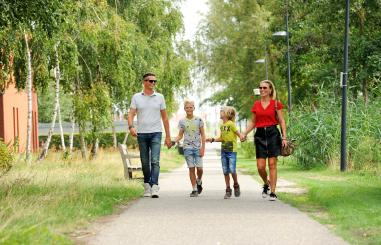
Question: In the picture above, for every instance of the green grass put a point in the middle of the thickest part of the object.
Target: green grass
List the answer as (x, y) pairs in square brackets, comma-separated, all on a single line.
[(348, 203), (45, 203), (170, 159)]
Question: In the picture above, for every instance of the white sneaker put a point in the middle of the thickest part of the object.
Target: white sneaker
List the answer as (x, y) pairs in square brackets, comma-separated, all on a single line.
[(155, 191), (147, 190)]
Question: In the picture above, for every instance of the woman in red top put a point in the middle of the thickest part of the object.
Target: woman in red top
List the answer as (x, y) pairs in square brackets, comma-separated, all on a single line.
[(267, 138)]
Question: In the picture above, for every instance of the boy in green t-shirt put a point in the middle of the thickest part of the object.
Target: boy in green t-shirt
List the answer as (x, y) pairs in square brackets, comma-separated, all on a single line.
[(228, 139)]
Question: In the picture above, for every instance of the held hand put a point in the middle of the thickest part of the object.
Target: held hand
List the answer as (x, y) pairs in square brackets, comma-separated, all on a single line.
[(208, 140), (242, 137), (133, 132), (284, 142), (168, 142)]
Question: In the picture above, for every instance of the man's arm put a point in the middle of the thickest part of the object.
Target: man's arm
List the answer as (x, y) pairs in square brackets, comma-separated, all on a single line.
[(130, 120), (164, 117)]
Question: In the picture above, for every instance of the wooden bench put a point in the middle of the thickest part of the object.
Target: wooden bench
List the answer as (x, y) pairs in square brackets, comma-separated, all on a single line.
[(127, 161)]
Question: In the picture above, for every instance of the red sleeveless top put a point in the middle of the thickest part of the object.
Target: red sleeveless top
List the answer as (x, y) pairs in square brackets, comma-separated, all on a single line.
[(265, 117)]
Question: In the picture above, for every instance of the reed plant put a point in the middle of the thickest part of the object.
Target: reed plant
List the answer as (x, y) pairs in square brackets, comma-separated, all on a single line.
[(317, 128)]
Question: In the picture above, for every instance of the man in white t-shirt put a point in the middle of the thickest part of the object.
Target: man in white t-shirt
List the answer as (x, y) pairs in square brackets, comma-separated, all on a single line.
[(150, 109)]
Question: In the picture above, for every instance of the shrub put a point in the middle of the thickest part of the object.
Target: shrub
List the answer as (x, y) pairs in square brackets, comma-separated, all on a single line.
[(247, 149), (6, 158), (105, 140)]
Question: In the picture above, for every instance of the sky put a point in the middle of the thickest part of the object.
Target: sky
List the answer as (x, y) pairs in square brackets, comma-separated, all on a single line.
[(192, 11)]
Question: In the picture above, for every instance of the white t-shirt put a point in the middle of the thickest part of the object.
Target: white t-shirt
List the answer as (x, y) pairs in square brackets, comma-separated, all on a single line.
[(148, 109)]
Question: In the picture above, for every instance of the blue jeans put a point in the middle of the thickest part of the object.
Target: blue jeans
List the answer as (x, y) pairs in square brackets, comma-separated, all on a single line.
[(228, 160), (149, 146), (193, 158)]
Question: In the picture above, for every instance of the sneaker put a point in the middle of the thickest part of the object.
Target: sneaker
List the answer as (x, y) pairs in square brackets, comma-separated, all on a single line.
[(273, 197), (194, 194), (199, 187), (147, 190), (155, 191), (265, 190), (228, 193), (237, 190)]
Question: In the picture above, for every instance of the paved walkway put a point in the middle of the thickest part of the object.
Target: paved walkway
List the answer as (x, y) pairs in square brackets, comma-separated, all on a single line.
[(176, 218)]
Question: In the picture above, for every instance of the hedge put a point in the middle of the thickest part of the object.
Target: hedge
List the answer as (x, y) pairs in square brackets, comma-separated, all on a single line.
[(6, 158), (105, 140)]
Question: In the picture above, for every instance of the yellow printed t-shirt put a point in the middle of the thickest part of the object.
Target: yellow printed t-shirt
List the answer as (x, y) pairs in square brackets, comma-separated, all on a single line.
[(228, 136)]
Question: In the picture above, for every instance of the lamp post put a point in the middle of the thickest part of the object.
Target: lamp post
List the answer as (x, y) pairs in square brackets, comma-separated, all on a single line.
[(287, 35), (344, 76)]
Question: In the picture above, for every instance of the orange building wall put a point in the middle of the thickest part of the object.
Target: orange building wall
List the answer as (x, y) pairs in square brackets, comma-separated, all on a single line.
[(14, 116)]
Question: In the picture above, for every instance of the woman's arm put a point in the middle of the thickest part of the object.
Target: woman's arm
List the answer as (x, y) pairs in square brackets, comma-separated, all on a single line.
[(282, 123), (250, 127)]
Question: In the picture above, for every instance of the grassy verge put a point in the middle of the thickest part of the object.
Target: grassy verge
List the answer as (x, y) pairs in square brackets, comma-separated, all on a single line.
[(170, 159), (348, 203), (44, 203)]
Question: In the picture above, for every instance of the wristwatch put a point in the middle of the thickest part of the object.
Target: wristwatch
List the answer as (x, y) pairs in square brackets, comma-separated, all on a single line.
[(130, 127)]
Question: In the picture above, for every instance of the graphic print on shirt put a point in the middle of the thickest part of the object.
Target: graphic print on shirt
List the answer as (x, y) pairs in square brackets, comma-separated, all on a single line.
[(229, 138), (191, 127)]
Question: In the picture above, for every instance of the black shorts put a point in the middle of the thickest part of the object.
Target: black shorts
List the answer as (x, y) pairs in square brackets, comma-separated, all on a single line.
[(268, 142)]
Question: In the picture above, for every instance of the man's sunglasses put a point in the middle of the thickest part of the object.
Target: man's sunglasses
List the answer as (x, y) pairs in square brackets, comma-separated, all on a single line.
[(151, 81)]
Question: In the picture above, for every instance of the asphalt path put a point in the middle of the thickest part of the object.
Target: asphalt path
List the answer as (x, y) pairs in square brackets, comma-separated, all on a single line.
[(176, 218)]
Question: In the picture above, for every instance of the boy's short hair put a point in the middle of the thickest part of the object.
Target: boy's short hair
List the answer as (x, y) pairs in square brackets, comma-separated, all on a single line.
[(188, 101), (230, 112)]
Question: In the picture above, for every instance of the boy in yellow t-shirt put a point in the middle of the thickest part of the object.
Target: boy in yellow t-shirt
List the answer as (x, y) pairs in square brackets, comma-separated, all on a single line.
[(228, 139)]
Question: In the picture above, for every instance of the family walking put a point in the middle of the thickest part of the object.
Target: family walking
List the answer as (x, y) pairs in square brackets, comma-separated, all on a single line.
[(150, 109)]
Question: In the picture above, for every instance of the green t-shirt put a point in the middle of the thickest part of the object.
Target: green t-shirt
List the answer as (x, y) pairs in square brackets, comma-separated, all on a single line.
[(228, 136)]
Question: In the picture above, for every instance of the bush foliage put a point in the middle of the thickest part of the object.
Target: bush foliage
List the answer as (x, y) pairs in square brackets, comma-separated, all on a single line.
[(6, 158), (105, 140)]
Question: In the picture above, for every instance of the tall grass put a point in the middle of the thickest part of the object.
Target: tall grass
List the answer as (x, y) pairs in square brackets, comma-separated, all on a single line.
[(318, 132)]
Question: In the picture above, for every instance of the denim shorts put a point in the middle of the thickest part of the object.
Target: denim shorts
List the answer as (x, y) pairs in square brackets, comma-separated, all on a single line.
[(228, 160), (193, 158)]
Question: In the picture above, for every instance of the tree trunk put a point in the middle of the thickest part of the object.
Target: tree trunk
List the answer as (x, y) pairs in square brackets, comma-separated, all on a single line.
[(44, 152), (94, 149), (29, 93), (71, 137), (83, 143), (114, 135), (58, 78), (61, 129)]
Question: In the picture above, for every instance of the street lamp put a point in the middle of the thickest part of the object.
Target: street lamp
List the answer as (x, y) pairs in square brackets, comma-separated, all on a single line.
[(287, 35)]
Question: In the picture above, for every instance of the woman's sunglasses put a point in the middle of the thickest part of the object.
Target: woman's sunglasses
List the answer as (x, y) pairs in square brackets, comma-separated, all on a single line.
[(263, 87)]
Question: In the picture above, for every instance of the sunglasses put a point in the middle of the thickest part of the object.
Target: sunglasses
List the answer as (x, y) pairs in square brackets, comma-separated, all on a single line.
[(263, 87), (151, 81)]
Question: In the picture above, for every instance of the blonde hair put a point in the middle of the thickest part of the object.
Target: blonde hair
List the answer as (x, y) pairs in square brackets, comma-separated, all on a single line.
[(272, 88), (188, 101), (230, 112)]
